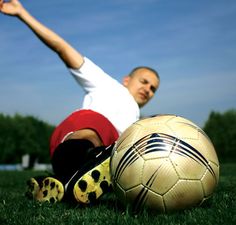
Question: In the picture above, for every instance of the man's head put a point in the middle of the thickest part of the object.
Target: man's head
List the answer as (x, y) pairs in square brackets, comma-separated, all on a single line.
[(142, 83)]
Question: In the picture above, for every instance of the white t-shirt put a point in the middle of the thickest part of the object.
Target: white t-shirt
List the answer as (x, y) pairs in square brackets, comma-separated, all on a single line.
[(106, 95)]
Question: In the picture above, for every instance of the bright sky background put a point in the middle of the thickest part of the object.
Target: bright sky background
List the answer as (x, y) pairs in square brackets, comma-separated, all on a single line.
[(191, 43)]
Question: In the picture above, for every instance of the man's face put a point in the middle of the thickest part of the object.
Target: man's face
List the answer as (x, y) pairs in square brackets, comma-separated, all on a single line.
[(142, 85)]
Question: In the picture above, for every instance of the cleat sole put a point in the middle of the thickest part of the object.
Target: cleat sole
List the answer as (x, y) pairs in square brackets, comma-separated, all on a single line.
[(48, 190), (93, 184)]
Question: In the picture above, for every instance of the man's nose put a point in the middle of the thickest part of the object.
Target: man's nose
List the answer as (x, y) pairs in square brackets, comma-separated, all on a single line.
[(147, 88)]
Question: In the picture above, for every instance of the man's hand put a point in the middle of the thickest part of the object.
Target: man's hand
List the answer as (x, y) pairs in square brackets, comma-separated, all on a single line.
[(71, 57), (12, 8)]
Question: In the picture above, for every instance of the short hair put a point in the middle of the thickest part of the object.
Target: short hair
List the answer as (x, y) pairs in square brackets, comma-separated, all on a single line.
[(144, 67)]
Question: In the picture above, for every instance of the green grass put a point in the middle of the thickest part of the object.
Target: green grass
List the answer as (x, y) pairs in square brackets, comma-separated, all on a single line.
[(16, 209)]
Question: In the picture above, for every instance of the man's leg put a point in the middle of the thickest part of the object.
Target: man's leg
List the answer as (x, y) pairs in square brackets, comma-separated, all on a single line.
[(90, 162), (81, 172), (69, 157)]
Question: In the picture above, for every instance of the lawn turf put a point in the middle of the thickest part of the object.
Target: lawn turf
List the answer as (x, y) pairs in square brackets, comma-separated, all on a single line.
[(15, 208)]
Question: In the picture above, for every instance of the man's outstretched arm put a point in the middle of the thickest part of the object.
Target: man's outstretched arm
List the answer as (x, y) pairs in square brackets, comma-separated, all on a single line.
[(66, 52)]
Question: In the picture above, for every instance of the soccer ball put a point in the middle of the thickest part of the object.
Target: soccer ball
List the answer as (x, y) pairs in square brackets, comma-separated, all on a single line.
[(164, 163)]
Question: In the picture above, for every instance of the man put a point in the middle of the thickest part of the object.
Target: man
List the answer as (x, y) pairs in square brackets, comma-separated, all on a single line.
[(80, 159)]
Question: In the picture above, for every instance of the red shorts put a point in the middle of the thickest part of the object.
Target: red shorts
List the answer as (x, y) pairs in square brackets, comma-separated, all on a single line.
[(84, 119)]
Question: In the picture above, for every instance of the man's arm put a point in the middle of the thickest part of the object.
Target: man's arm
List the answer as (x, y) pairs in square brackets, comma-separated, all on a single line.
[(66, 52)]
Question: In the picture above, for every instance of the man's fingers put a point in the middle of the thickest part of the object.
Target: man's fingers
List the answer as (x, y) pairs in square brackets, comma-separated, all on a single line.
[(1, 4)]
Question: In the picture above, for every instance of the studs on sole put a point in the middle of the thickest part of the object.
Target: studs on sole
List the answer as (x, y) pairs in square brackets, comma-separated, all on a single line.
[(104, 186), (92, 185), (49, 189), (33, 188), (82, 185), (92, 197), (95, 175)]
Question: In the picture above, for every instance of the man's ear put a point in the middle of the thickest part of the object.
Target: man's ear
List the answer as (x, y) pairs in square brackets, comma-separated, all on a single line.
[(126, 80)]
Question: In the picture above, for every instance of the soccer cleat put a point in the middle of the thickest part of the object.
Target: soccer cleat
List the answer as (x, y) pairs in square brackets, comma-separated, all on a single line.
[(33, 188), (93, 180), (93, 184), (47, 189)]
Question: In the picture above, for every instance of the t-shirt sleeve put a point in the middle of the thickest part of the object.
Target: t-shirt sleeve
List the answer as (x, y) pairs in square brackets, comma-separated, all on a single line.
[(90, 76)]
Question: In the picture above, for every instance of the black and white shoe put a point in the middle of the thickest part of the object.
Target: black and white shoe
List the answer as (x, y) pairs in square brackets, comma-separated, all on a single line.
[(86, 186), (93, 180)]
